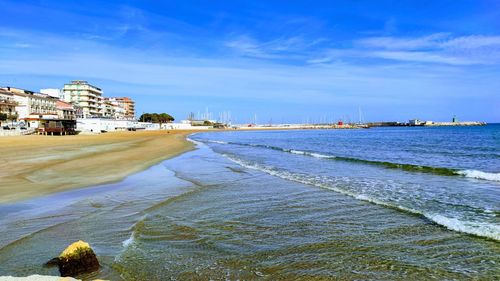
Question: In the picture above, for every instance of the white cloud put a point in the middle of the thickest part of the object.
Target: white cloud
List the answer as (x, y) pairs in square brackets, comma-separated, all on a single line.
[(284, 47), (472, 42), (438, 48), (422, 57), (405, 43)]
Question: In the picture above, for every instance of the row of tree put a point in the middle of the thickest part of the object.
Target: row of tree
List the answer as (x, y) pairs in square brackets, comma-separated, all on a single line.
[(156, 118)]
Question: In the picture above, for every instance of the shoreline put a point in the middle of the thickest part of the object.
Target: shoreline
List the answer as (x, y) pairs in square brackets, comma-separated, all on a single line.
[(34, 166)]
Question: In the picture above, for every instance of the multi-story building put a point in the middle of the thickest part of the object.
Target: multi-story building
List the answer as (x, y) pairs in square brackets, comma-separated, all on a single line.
[(115, 109), (31, 107), (85, 96), (7, 105), (65, 110), (127, 104), (55, 93), (32, 103)]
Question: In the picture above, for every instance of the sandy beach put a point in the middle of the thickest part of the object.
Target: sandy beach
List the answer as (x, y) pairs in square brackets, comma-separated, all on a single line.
[(38, 165)]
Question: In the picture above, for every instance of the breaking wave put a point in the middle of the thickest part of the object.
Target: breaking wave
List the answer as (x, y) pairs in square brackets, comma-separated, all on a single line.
[(390, 165), (475, 228), (475, 174)]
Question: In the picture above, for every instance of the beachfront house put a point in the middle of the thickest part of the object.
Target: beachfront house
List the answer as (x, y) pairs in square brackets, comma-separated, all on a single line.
[(31, 106), (7, 106), (65, 110)]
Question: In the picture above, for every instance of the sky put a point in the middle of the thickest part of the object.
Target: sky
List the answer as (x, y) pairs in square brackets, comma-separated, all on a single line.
[(274, 61)]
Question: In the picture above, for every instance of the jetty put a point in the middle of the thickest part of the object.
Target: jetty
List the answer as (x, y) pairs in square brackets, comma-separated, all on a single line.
[(454, 122)]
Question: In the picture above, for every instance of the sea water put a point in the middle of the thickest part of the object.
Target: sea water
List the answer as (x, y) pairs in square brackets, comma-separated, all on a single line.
[(378, 204)]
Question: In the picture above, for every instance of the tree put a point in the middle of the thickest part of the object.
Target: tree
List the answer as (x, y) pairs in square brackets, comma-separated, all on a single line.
[(3, 116), (156, 118), (165, 118)]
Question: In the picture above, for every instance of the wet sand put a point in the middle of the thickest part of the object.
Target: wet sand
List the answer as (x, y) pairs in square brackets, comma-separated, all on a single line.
[(32, 166)]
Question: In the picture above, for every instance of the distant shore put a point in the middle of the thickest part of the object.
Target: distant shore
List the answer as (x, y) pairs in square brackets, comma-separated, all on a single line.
[(33, 165)]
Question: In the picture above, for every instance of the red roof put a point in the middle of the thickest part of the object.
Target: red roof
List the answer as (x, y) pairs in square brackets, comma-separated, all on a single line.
[(64, 105)]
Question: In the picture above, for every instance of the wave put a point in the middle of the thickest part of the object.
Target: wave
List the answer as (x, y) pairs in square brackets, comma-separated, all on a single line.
[(216, 141), (194, 141), (473, 228), (390, 165), (475, 174), (129, 241)]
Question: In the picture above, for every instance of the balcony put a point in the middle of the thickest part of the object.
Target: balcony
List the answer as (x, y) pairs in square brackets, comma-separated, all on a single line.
[(8, 102)]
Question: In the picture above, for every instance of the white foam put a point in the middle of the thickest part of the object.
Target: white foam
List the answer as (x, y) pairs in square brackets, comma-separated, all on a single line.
[(299, 152), (129, 241), (312, 154), (217, 141), (475, 228), (195, 142), (317, 155), (126, 244), (480, 175)]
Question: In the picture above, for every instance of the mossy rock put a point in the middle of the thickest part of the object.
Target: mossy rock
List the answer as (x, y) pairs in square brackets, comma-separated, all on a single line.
[(76, 259)]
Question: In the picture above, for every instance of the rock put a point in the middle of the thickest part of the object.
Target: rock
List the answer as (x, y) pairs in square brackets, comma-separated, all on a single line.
[(76, 259)]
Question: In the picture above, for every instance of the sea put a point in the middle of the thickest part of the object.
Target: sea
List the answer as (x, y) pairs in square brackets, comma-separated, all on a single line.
[(395, 203)]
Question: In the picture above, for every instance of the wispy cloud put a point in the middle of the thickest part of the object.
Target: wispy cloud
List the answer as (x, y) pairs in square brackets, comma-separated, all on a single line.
[(403, 43), (425, 57), (438, 48), (284, 47), (473, 42)]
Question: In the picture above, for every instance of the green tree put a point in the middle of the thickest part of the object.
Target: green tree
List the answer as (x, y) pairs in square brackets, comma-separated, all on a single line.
[(156, 118)]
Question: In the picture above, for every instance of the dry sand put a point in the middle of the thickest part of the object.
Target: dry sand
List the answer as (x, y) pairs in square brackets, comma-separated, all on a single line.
[(38, 165)]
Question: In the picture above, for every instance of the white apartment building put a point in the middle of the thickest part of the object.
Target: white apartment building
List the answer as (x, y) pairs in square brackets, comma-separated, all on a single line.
[(7, 104), (31, 107), (85, 96), (30, 104), (55, 93), (113, 109)]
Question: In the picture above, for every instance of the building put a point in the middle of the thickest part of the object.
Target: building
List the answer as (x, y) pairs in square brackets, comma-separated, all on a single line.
[(7, 106), (85, 96), (65, 111), (32, 103), (31, 107), (127, 104), (101, 125), (416, 122), (55, 93), (114, 109), (108, 109)]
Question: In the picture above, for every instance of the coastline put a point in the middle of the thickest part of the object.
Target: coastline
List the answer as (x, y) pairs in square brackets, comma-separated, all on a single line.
[(204, 200), (34, 166)]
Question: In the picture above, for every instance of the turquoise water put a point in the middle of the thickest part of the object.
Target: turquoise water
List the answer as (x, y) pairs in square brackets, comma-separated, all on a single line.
[(279, 206)]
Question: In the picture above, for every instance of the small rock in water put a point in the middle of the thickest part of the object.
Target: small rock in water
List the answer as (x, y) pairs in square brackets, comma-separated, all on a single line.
[(76, 259)]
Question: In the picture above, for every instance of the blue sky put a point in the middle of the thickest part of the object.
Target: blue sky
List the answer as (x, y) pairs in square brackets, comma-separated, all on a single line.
[(288, 61)]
